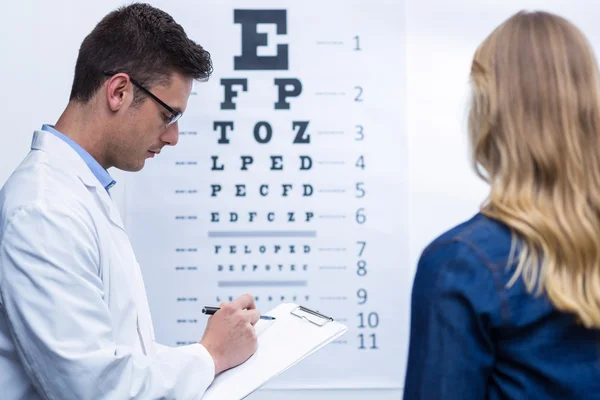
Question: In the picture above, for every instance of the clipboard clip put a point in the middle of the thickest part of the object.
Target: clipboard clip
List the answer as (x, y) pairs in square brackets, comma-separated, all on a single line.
[(314, 317)]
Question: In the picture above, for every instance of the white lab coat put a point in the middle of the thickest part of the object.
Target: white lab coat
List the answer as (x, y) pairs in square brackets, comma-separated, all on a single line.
[(74, 318)]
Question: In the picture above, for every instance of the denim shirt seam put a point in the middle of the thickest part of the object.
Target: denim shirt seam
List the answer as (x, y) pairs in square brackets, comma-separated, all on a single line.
[(494, 268)]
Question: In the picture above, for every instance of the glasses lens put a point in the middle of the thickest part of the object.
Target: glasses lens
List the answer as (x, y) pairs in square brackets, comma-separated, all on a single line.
[(174, 119)]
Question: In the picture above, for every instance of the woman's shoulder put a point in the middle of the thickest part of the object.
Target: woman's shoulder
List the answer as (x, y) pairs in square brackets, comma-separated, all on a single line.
[(473, 262), (486, 239), (468, 262)]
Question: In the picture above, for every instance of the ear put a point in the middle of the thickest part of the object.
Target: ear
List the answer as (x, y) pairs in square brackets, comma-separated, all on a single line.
[(119, 91)]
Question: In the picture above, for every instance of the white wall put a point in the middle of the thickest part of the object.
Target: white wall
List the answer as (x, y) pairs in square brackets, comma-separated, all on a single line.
[(38, 47)]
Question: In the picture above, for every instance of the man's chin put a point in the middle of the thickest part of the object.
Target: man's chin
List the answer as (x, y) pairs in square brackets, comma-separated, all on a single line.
[(131, 167), (139, 166)]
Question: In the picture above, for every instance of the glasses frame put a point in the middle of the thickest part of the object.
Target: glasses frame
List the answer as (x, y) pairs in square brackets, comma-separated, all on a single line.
[(175, 115)]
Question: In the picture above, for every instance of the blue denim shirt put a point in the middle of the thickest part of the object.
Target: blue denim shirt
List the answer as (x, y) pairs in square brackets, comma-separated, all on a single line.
[(472, 337)]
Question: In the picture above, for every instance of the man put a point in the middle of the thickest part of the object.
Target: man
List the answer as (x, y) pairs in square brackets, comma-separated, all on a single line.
[(74, 318)]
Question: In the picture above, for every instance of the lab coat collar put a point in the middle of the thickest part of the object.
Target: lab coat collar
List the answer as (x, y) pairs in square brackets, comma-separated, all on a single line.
[(71, 161)]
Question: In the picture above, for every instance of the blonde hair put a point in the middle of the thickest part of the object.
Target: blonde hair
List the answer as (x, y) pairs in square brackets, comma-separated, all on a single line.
[(534, 128)]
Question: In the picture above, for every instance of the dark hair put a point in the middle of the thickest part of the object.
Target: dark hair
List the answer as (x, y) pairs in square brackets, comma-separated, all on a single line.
[(141, 41)]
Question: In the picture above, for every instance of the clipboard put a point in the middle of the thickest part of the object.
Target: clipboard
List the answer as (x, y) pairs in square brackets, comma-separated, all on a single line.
[(296, 333)]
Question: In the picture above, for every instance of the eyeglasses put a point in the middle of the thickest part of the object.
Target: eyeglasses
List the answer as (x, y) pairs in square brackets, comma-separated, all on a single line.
[(175, 115)]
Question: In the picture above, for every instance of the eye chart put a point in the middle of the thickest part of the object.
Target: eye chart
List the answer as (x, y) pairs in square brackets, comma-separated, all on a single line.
[(288, 182)]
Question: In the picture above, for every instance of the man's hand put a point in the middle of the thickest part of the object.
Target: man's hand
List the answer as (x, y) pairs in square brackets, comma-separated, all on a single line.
[(229, 336)]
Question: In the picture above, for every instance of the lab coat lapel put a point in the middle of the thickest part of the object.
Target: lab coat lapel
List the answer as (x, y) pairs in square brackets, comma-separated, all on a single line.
[(69, 160), (45, 141)]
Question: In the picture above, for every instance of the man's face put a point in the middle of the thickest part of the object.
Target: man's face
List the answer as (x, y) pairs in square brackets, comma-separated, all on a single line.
[(144, 133)]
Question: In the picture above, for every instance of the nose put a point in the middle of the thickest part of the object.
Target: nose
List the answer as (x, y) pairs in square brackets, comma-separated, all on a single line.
[(171, 135)]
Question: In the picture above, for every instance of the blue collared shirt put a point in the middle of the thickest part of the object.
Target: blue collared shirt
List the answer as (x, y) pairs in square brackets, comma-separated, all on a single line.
[(99, 172), (473, 337)]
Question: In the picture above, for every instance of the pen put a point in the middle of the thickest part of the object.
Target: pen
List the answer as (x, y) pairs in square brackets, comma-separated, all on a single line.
[(211, 310)]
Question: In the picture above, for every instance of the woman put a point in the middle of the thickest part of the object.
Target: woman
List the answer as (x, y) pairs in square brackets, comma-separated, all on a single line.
[(507, 304)]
